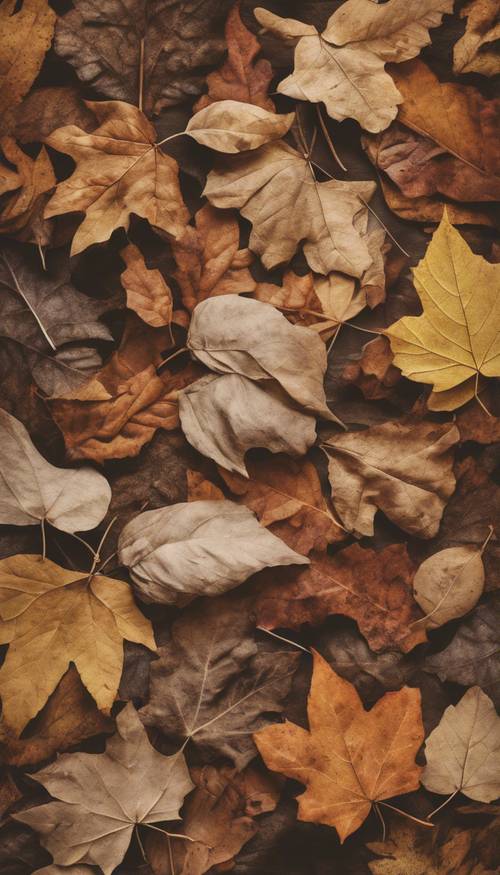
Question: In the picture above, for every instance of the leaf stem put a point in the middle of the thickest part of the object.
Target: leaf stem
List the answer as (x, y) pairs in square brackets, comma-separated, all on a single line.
[(44, 539), (282, 638), (328, 138), (29, 305), (141, 74), (487, 540), (171, 137), (446, 801), (406, 814), (100, 545), (172, 835), (476, 396), (173, 356), (379, 814)]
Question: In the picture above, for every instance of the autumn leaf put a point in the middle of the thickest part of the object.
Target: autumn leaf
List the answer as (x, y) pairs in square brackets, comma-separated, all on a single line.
[(350, 758), (274, 187), (147, 292), (21, 216), (197, 548), (449, 583), (457, 338), (52, 616), (231, 126), (241, 77), (103, 797), (45, 109), (410, 849), (475, 50), (373, 372), (343, 67), (462, 752)]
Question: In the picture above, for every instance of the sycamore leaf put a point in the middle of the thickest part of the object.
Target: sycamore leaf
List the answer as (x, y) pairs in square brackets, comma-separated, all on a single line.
[(343, 67), (233, 335), (147, 291), (462, 753), (103, 797), (230, 126), (134, 176), (241, 77), (404, 470), (349, 758), (475, 51), (31, 489), (448, 584), (214, 684), (21, 215), (197, 548), (274, 187), (52, 616), (223, 417), (27, 31), (457, 338)]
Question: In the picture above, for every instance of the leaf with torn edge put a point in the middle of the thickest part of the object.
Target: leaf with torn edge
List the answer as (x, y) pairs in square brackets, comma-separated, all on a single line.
[(344, 67), (475, 51), (463, 752), (31, 489), (52, 616), (274, 187), (214, 684), (448, 584), (197, 548), (224, 416), (411, 486), (350, 758), (147, 292), (457, 338), (102, 797)]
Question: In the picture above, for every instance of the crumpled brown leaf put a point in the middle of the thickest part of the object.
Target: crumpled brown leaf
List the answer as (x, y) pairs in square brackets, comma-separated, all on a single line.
[(475, 51), (21, 215), (373, 372), (411, 849), (147, 292)]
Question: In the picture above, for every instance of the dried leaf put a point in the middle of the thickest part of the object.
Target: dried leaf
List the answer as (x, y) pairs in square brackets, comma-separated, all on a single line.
[(431, 209), (134, 176), (448, 584), (373, 372), (475, 50), (31, 489), (462, 752), (410, 486), (45, 109), (9, 793), (214, 684), (275, 189), (197, 548), (230, 126), (344, 67), (52, 616), (21, 216), (241, 77), (372, 588), (102, 797), (147, 292), (350, 758), (410, 849), (457, 338)]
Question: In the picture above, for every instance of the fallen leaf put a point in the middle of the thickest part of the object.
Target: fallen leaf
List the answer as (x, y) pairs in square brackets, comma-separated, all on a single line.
[(233, 335), (462, 752), (475, 50), (45, 109), (147, 292), (448, 584), (344, 67), (350, 758), (431, 209), (229, 685), (457, 338), (32, 490), (21, 216), (219, 818), (412, 851), (134, 176), (179, 39), (209, 259), (103, 797), (474, 424), (52, 616), (275, 189), (411, 486), (20, 852), (231, 126), (287, 497), (69, 717), (27, 32), (372, 588), (224, 416), (9, 792), (197, 548), (241, 77), (200, 489), (373, 372), (473, 655)]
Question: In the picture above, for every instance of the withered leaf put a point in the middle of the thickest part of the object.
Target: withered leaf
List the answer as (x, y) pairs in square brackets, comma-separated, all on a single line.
[(373, 371), (410, 848), (229, 684), (475, 50), (21, 215), (197, 548), (231, 126), (45, 109), (448, 584), (102, 797), (372, 588), (349, 758), (147, 292), (52, 616)]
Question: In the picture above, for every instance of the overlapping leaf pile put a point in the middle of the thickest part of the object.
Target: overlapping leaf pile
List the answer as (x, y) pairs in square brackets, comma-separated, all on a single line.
[(249, 437)]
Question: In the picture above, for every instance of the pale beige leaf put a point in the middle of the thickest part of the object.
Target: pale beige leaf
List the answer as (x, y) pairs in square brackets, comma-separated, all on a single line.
[(475, 51), (448, 584), (232, 126)]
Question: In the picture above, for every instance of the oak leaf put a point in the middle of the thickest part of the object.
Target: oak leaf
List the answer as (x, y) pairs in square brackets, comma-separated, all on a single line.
[(197, 548), (350, 758), (287, 497), (457, 338), (147, 292), (27, 32), (241, 77), (475, 50), (274, 187), (32, 490), (344, 67), (448, 584), (215, 684), (462, 753), (21, 215), (52, 616), (102, 798), (372, 588), (411, 486)]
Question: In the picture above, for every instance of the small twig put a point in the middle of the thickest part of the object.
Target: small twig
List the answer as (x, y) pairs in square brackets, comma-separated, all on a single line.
[(446, 801), (282, 638), (141, 74), (328, 138), (173, 356), (406, 814)]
